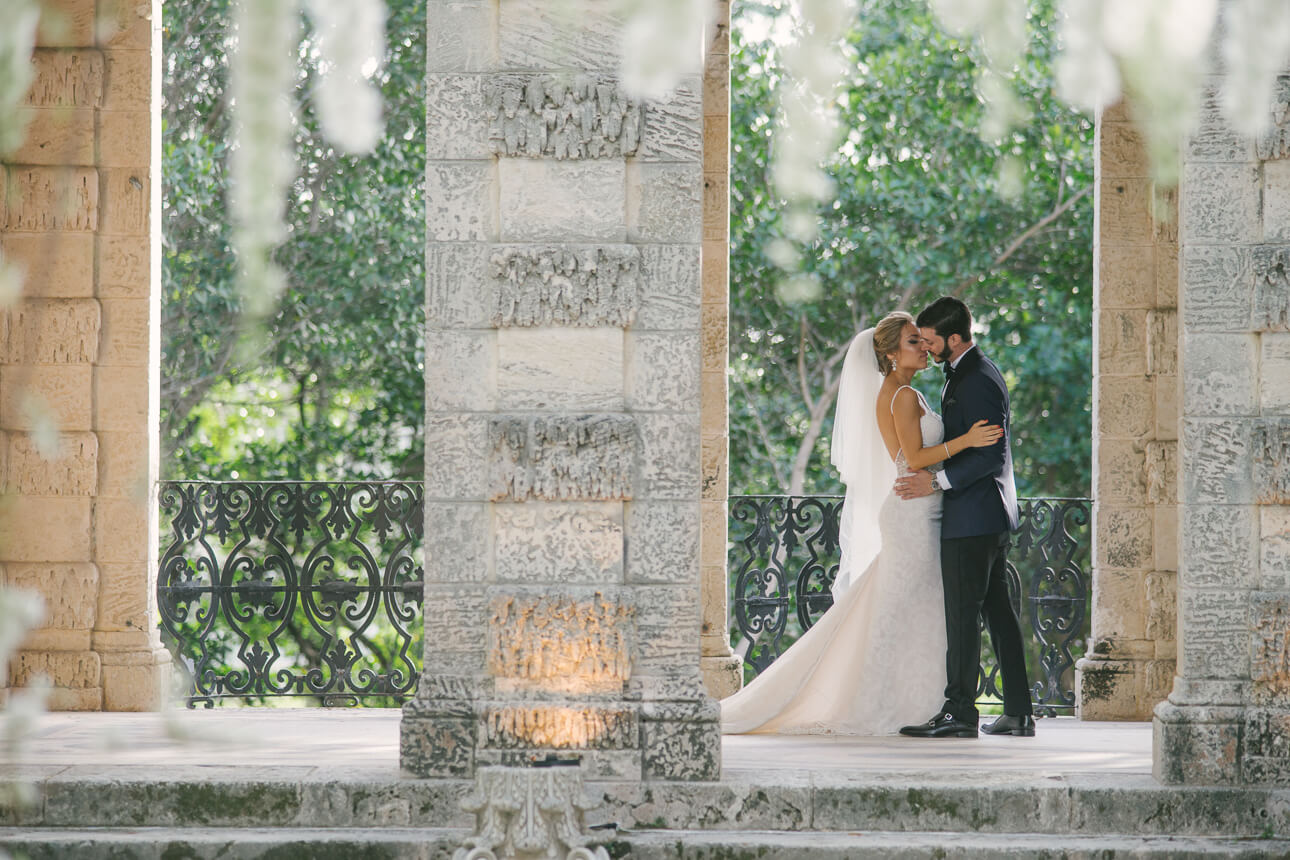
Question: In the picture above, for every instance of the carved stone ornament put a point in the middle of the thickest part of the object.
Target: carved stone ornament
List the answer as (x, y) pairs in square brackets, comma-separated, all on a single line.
[(561, 285), (563, 116), (527, 814)]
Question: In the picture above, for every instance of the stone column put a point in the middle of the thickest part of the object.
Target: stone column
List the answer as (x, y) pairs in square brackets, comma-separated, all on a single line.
[(722, 670), (81, 355), (562, 485), (1131, 658), (1227, 720)]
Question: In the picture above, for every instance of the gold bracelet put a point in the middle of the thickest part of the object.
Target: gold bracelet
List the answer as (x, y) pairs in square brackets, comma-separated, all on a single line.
[(946, 446)]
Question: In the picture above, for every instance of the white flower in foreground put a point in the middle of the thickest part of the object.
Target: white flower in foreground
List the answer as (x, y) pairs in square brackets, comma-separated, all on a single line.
[(351, 39), (662, 42), (1087, 76), (20, 611), (1255, 47), (17, 38), (12, 276)]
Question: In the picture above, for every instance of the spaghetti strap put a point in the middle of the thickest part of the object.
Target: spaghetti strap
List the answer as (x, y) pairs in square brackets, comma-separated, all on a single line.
[(922, 403)]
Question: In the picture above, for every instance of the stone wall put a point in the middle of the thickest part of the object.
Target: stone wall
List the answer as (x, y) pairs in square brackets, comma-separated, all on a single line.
[(78, 353), (1130, 663), (1227, 719), (563, 390)]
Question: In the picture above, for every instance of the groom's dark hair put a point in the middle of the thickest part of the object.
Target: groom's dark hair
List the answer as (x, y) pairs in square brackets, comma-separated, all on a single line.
[(948, 316)]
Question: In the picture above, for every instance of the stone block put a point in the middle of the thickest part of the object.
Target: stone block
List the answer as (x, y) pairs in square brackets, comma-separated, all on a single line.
[(1270, 301), (1122, 339), (457, 542), (716, 273), (136, 687), (714, 455), (665, 203), (54, 331), (125, 201), (46, 529), (1220, 375), (459, 288), (456, 451), (588, 286), (1271, 440), (57, 265), (573, 640), (125, 138), (560, 369), (561, 116), (1162, 341), (1109, 690), (437, 746), (58, 392), (1217, 459), (124, 24), (72, 472), (56, 136), (70, 592), (1120, 475), (1123, 536), (125, 464), (459, 201), (52, 198), (681, 742), (536, 35), (121, 532), (563, 201), (1218, 286), (664, 371), (66, 24), (1276, 201), (125, 602), (1214, 632), (460, 371), (66, 79), (121, 397), (462, 37), (1162, 473), (1188, 751), (1219, 546), (1270, 648), (456, 118), (1121, 151), (1267, 733), (1214, 139), (674, 127), (127, 333), (1122, 406), (124, 263), (1274, 547), (1127, 275), (1274, 373), (127, 83), (1165, 537), (716, 84), (1166, 400), (663, 542), (574, 543), (716, 207), (1222, 203), (1166, 276), (577, 727), (1126, 211), (716, 144), (670, 460), (1160, 591), (562, 458), (670, 287), (458, 613), (1118, 613), (71, 669)]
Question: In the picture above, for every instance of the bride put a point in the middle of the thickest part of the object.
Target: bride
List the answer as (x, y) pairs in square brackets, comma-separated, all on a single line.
[(876, 660)]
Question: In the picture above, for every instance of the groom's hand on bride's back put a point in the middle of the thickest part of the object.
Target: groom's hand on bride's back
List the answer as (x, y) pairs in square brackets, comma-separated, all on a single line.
[(915, 486)]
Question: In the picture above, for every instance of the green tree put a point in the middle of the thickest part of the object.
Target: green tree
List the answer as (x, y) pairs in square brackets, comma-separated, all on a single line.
[(331, 386), (920, 211)]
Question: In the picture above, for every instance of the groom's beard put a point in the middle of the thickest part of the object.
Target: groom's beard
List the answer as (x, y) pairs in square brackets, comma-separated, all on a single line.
[(944, 355)]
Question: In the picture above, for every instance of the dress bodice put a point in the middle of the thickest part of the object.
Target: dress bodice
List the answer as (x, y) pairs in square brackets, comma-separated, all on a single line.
[(932, 427)]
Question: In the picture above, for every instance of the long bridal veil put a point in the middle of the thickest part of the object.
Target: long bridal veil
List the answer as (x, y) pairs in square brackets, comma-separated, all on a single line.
[(861, 459)]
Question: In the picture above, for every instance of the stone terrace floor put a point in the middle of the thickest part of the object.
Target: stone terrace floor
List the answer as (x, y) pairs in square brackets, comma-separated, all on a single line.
[(369, 740)]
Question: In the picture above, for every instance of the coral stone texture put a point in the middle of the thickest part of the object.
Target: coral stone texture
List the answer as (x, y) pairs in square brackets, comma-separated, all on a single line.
[(78, 379), (565, 424)]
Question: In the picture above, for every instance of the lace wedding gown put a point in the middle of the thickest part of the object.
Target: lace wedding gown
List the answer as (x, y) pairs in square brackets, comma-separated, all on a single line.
[(875, 661)]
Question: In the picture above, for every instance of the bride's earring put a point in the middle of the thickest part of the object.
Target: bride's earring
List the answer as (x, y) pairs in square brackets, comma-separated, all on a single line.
[(893, 365)]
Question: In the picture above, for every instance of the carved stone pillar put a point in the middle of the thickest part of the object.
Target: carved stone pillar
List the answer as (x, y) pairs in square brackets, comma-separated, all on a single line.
[(1129, 665), (562, 486), (722, 670), (1227, 720), (80, 357)]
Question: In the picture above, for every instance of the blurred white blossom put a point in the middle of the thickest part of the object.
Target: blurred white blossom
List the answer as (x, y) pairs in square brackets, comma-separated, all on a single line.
[(17, 39), (1002, 29), (662, 42), (1255, 46), (1087, 75), (12, 276), (351, 39)]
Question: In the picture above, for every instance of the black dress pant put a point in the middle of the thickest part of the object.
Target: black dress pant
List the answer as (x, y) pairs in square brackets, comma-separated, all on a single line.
[(973, 573)]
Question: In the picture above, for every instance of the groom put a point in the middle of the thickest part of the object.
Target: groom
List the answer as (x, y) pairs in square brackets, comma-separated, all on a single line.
[(980, 511)]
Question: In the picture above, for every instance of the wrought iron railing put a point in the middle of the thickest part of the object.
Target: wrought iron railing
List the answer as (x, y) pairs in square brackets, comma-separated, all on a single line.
[(784, 555), (270, 589)]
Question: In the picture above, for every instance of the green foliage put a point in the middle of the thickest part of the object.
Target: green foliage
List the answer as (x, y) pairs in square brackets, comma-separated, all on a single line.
[(920, 211), (331, 385)]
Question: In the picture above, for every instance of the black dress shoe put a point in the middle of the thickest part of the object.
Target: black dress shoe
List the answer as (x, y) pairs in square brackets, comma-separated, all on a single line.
[(1021, 727), (943, 725)]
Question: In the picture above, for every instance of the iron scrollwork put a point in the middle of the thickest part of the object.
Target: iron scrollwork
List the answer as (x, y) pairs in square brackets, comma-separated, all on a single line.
[(293, 588), (784, 556)]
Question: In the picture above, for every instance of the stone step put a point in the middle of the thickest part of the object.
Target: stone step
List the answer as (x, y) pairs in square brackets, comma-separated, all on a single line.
[(400, 843), (1130, 804)]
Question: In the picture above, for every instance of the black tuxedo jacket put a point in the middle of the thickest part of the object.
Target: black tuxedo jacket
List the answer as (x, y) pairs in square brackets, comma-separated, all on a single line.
[(982, 498)]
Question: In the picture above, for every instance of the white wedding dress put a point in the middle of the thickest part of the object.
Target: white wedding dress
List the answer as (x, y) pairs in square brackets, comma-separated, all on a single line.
[(875, 661)]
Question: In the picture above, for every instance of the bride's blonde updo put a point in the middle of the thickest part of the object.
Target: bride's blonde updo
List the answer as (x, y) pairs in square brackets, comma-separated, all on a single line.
[(886, 338)]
